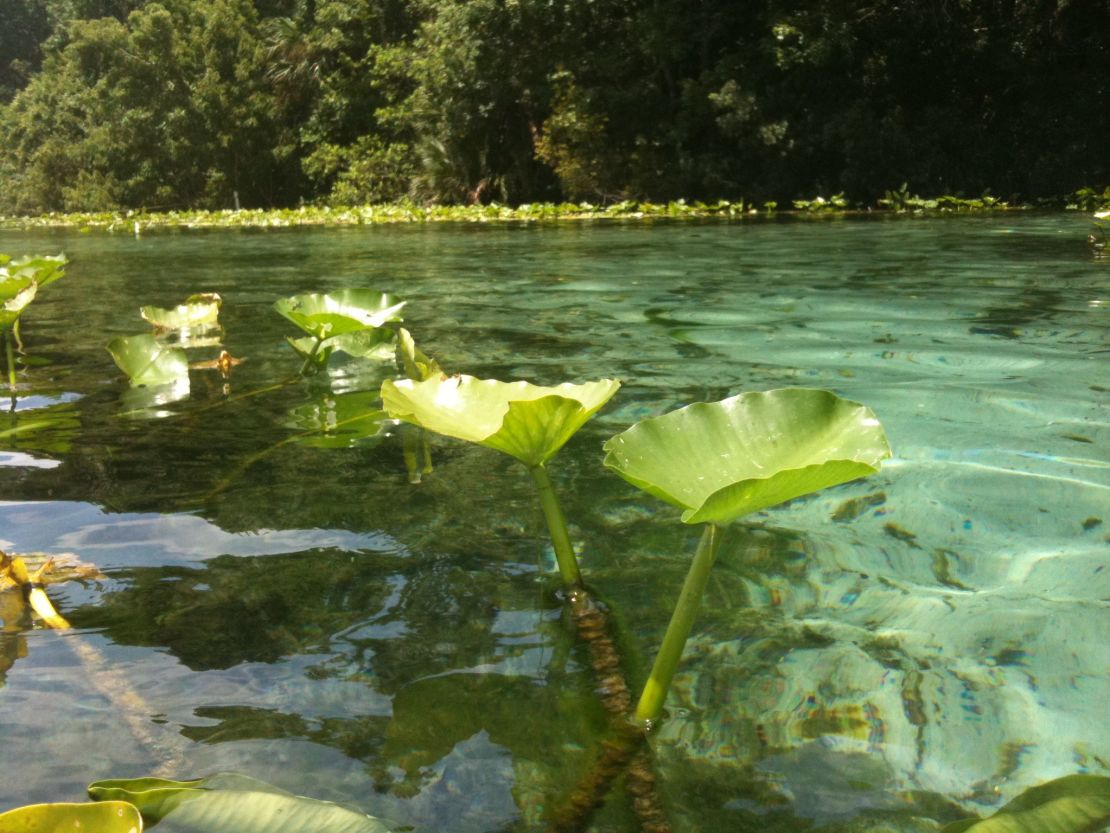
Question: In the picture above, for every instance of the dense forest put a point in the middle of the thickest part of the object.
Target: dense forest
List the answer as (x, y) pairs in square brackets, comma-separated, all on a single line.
[(172, 104)]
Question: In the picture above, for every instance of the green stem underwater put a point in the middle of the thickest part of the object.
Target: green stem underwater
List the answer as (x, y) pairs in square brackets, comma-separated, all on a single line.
[(11, 359), (557, 527), (654, 694)]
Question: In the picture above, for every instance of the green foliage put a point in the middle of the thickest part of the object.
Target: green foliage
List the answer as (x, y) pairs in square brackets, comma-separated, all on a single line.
[(723, 460), (526, 421), (229, 802), (1072, 804), (103, 817), (348, 319), (196, 313), (148, 361)]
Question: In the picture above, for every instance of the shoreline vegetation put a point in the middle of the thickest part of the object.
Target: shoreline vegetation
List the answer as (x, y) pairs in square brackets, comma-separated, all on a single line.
[(892, 204)]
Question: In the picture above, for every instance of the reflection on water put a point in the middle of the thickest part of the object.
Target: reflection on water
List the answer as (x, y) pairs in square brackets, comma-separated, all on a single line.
[(892, 652)]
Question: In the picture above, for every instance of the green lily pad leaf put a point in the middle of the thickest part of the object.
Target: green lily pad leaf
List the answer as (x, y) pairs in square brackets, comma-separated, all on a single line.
[(104, 817), (198, 312), (341, 421), (147, 361), (42, 269), (1072, 804), (229, 803), (377, 343), (526, 421), (335, 313), (722, 460), (16, 292), (416, 364)]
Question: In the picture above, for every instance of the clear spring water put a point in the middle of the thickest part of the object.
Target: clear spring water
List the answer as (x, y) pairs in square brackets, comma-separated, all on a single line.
[(895, 651)]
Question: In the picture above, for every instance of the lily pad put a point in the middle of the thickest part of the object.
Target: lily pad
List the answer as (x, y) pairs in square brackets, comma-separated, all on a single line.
[(42, 269), (722, 460), (1072, 804), (229, 803), (101, 817), (147, 361), (526, 421), (335, 313), (198, 312), (16, 292)]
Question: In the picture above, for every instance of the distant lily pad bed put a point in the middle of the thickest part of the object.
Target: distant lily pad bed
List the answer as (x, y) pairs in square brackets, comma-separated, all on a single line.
[(137, 222)]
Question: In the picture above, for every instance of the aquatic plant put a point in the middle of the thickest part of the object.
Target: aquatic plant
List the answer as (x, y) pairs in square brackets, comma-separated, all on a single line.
[(723, 460), (525, 421), (192, 318), (20, 281), (147, 361), (348, 319)]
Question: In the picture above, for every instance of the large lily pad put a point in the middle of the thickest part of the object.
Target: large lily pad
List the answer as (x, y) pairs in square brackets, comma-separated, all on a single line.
[(335, 313), (1072, 804), (198, 312), (101, 817), (722, 460), (526, 421), (229, 803), (147, 361)]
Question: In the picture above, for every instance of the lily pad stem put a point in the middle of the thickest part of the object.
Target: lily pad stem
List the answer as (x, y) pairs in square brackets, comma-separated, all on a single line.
[(557, 527), (306, 367), (11, 358), (654, 694)]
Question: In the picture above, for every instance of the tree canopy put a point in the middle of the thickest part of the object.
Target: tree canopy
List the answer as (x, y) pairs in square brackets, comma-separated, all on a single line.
[(154, 104)]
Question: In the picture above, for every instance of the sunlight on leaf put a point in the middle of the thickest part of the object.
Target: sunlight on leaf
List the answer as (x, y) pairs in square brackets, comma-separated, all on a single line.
[(722, 460), (345, 311), (198, 312), (526, 421), (100, 817)]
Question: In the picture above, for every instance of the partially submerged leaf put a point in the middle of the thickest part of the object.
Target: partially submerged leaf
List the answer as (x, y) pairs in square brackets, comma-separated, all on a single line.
[(100, 817), (147, 361), (344, 311), (1072, 804), (526, 421), (228, 803), (722, 460), (196, 313)]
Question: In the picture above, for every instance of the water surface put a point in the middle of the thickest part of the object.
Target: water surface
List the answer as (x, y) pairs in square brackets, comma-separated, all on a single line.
[(925, 643)]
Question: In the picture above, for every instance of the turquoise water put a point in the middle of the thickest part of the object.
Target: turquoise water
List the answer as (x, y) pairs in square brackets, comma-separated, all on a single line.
[(900, 650)]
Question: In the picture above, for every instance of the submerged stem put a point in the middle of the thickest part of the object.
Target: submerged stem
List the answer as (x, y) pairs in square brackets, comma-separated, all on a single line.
[(557, 528), (670, 652), (309, 358), (11, 358)]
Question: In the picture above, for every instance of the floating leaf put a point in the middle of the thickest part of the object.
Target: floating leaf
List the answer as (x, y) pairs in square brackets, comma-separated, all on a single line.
[(526, 421), (147, 361), (721, 460), (101, 817), (1072, 804), (198, 312), (229, 803), (345, 311)]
